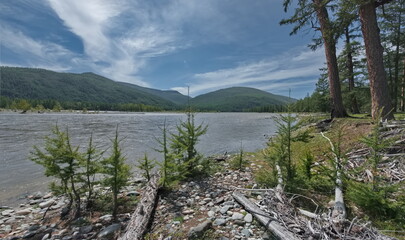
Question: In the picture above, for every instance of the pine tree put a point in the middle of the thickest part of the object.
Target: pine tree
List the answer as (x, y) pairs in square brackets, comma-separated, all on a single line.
[(168, 167), (146, 165), (61, 160), (307, 12), (185, 140), (117, 172), (91, 165)]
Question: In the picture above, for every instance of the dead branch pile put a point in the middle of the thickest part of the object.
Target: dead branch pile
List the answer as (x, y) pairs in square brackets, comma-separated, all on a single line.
[(392, 166), (313, 225)]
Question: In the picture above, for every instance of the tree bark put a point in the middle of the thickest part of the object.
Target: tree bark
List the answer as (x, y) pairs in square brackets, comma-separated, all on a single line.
[(276, 228), (397, 60), (349, 65), (403, 91), (338, 109), (142, 215), (380, 98)]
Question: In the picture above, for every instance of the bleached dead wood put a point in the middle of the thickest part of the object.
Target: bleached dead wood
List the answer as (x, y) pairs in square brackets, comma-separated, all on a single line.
[(271, 224), (339, 210), (142, 215)]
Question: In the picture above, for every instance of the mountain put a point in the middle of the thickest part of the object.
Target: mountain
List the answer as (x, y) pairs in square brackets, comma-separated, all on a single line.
[(170, 95), (96, 91), (30, 83), (237, 99)]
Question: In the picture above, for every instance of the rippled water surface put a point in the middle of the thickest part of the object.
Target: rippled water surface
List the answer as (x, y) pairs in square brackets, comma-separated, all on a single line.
[(19, 132)]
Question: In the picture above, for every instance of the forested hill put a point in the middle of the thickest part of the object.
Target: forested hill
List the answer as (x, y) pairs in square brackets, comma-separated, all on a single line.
[(30, 83), (92, 91), (238, 99)]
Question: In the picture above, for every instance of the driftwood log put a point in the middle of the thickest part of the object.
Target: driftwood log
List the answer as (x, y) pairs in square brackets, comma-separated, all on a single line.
[(271, 224), (142, 215)]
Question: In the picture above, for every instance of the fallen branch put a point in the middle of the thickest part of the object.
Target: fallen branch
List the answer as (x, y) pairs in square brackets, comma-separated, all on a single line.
[(271, 224), (142, 215)]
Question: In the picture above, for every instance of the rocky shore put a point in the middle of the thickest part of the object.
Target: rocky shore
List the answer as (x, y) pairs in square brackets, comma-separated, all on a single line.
[(198, 209)]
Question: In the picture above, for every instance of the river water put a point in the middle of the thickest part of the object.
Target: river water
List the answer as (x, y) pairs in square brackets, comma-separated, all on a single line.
[(20, 132)]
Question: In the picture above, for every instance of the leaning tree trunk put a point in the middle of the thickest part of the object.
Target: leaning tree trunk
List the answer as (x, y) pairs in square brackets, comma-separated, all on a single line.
[(380, 98), (338, 109), (349, 65)]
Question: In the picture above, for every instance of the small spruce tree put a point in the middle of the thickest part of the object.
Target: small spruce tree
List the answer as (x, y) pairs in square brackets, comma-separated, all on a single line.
[(168, 167), (116, 171), (184, 143), (61, 160), (90, 162), (146, 165)]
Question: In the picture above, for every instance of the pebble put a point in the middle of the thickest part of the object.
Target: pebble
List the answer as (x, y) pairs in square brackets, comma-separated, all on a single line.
[(24, 211), (219, 222), (7, 213), (46, 204), (237, 216), (248, 218)]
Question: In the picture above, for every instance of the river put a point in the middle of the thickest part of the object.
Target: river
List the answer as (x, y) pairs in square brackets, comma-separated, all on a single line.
[(20, 132)]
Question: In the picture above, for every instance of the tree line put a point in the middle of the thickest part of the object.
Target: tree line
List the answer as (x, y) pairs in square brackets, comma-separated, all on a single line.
[(54, 105), (370, 28)]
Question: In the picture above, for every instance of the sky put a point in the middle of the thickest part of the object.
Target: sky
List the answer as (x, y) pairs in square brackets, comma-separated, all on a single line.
[(206, 45)]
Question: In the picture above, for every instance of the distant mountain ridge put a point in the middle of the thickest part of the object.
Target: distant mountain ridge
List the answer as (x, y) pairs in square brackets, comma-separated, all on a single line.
[(41, 84), (238, 99)]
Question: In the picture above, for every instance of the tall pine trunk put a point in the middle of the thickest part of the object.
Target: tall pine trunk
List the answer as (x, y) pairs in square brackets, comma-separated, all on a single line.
[(397, 59), (338, 109), (403, 91), (380, 97), (349, 65)]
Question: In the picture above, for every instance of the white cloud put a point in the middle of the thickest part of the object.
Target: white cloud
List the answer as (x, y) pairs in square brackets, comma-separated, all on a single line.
[(292, 68), (38, 54)]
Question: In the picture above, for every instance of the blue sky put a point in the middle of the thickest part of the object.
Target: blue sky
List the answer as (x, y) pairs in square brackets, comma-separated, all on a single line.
[(172, 44)]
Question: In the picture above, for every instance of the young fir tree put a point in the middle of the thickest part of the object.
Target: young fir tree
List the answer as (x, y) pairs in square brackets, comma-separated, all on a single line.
[(91, 165), (146, 165), (116, 170), (239, 162), (376, 144), (287, 127), (185, 140), (168, 167), (61, 161)]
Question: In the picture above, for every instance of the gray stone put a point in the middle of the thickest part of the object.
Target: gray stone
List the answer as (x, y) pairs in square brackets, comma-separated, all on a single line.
[(188, 211), (219, 222), (106, 218), (7, 213), (224, 209), (29, 235), (46, 236), (246, 232), (219, 200), (109, 232), (198, 231), (248, 218), (211, 214), (229, 203), (46, 204), (266, 236), (24, 211), (133, 193), (237, 216), (86, 229), (239, 222)]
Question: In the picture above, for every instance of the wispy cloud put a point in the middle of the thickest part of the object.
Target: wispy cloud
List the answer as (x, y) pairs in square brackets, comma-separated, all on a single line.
[(39, 54), (292, 68)]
